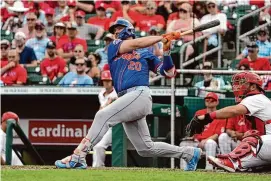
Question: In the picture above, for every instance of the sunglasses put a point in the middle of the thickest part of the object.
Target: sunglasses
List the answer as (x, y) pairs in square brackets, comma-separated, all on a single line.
[(11, 56), (78, 51), (100, 9), (182, 10), (39, 28), (30, 19), (59, 27), (79, 17), (209, 99), (207, 67), (79, 64), (4, 47), (262, 34), (125, 2), (251, 50), (211, 6), (150, 8)]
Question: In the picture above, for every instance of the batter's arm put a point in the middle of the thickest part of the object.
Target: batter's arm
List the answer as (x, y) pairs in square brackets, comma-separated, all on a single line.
[(133, 44)]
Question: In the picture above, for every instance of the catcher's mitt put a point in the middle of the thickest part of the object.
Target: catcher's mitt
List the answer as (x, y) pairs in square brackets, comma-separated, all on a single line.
[(196, 126)]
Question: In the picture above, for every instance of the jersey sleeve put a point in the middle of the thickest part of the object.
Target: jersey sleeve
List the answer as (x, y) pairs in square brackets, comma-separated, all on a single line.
[(253, 104), (230, 123), (153, 61), (113, 49), (62, 65)]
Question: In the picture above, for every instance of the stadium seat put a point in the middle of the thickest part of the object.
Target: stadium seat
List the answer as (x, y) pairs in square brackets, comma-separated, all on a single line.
[(35, 79), (5, 35), (34, 70), (93, 45)]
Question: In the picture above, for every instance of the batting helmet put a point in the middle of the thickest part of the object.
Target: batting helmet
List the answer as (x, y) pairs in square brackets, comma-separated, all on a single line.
[(128, 31), (241, 82), (9, 115), (106, 75)]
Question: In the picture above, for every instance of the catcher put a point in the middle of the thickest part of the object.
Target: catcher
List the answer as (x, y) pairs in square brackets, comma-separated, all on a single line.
[(254, 149)]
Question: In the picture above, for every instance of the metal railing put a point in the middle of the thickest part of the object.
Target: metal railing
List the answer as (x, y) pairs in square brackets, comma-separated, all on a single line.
[(238, 30), (184, 46)]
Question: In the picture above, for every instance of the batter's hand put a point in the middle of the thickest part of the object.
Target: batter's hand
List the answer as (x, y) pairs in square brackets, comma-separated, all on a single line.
[(171, 36)]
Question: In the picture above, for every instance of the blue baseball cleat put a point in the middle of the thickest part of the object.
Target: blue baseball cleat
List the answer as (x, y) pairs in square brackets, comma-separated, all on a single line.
[(192, 164), (71, 162)]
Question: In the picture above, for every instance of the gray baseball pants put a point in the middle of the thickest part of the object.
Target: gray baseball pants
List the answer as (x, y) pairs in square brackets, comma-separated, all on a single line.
[(131, 110)]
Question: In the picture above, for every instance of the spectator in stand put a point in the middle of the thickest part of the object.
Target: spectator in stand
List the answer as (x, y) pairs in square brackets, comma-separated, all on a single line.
[(5, 12), (214, 14), (210, 82), (66, 46), (86, 6), (235, 129), (200, 9), (175, 14), (38, 12), (103, 51), (100, 19), (78, 78), (27, 55), (140, 6), (61, 10), (156, 49), (5, 45), (165, 8), (70, 15), (184, 23), (255, 62), (244, 67), (15, 160), (29, 29), (263, 44), (15, 20), (126, 13), (59, 32), (93, 70), (13, 73), (208, 139), (86, 30), (31, 4), (39, 42), (49, 25), (78, 52), (150, 19), (53, 66), (110, 6)]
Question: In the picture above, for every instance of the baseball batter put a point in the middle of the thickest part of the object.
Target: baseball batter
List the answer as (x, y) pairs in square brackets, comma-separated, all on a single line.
[(106, 97), (254, 149), (130, 63)]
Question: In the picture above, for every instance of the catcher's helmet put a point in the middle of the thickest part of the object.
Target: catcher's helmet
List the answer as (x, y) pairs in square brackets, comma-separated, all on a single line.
[(106, 75), (241, 82), (128, 31), (9, 115)]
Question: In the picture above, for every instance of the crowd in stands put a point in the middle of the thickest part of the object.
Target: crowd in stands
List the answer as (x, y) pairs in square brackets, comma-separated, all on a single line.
[(66, 41)]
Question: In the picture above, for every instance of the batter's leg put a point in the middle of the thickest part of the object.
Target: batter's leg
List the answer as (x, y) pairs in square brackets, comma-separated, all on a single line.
[(138, 134), (99, 149), (132, 106), (192, 143)]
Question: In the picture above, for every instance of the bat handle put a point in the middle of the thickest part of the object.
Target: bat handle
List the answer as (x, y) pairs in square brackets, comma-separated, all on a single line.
[(164, 40)]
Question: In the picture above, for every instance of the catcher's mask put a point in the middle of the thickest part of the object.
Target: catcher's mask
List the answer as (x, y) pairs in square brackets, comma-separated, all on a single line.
[(241, 83)]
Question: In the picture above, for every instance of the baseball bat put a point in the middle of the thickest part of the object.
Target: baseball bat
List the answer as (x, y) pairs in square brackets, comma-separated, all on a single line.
[(202, 27)]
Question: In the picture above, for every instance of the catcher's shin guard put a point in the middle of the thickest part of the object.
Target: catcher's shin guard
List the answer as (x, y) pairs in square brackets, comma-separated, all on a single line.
[(248, 148)]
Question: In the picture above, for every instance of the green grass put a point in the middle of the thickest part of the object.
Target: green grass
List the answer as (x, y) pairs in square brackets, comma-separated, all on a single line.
[(128, 174)]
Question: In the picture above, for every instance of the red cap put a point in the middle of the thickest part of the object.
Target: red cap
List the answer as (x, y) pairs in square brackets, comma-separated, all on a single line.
[(71, 3), (106, 75), (212, 95), (106, 67), (9, 115), (49, 11), (80, 13)]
